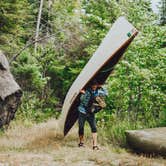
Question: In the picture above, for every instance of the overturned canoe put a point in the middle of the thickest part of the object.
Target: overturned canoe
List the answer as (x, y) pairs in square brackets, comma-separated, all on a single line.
[(148, 140), (98, 67)]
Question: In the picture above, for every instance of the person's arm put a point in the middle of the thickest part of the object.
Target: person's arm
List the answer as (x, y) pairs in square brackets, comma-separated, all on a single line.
[(85, 97), (103, 91), (82, 91)]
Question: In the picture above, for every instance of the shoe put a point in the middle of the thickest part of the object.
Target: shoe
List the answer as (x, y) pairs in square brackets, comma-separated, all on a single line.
[(81, 144), (95, 148)]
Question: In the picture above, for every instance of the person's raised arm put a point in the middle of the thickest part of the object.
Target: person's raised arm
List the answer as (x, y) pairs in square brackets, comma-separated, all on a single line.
[(82, 91)]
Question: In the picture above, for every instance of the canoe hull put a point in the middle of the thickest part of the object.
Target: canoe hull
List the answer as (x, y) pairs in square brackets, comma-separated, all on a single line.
[(99, 67)]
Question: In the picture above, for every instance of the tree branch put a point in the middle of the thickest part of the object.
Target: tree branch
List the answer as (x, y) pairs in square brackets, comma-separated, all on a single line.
[(28, 45)]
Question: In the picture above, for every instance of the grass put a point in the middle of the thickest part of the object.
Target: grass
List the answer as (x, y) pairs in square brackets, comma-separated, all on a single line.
[(23, 136), (114, 131), (43, 144)]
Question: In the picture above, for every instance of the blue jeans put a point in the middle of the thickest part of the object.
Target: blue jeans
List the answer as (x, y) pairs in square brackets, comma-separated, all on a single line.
[(90, 117)]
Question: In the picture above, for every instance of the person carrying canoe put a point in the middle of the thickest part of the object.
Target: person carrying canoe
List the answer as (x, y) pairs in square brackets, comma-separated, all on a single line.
[(87, 108)]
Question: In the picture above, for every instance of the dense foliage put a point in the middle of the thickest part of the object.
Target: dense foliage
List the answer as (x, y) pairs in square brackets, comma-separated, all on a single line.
[(70, 32)]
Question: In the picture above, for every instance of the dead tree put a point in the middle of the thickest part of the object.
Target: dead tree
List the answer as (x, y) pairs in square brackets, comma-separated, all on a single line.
[(38, 23)]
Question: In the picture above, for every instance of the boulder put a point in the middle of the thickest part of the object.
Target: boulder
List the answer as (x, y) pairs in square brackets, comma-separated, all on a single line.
[(10, 93), (148, 140)]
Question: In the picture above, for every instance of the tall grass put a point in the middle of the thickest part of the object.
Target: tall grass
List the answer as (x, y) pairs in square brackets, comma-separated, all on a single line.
[(111, 128)]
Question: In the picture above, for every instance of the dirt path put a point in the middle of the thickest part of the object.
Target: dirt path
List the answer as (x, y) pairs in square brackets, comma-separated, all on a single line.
[(41, 145)]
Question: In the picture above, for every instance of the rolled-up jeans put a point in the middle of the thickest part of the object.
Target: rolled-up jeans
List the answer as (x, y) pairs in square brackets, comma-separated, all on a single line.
[(90, 117)]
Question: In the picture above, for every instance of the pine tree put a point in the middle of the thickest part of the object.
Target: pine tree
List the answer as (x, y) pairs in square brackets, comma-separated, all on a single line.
[(15, 21)]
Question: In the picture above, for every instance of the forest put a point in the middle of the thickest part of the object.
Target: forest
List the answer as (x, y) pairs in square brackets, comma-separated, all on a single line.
[(48, 42)]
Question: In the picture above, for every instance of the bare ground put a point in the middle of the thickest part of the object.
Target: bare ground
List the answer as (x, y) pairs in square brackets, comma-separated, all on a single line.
[(43, 145)]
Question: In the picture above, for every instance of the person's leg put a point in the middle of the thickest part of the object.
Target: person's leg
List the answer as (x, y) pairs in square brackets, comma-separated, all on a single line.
[(92, 122), (81, 123), (94, 136)]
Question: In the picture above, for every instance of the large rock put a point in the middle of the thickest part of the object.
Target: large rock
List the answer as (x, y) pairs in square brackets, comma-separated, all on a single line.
[(10, 93), (148, 140)]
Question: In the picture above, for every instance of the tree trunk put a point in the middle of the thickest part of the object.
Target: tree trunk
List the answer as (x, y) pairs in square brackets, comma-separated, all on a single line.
[(49, 13), (38, 24)]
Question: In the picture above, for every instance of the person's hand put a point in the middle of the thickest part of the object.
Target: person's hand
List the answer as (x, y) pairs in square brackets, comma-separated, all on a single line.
[(100, 85), (82, 91)]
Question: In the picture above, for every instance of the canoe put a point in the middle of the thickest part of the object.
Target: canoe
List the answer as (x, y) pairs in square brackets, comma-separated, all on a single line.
[(148, 140), (99, 67)]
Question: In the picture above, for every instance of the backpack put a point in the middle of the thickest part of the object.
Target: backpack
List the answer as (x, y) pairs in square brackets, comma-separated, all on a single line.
[(101, 101), (96, 104)]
